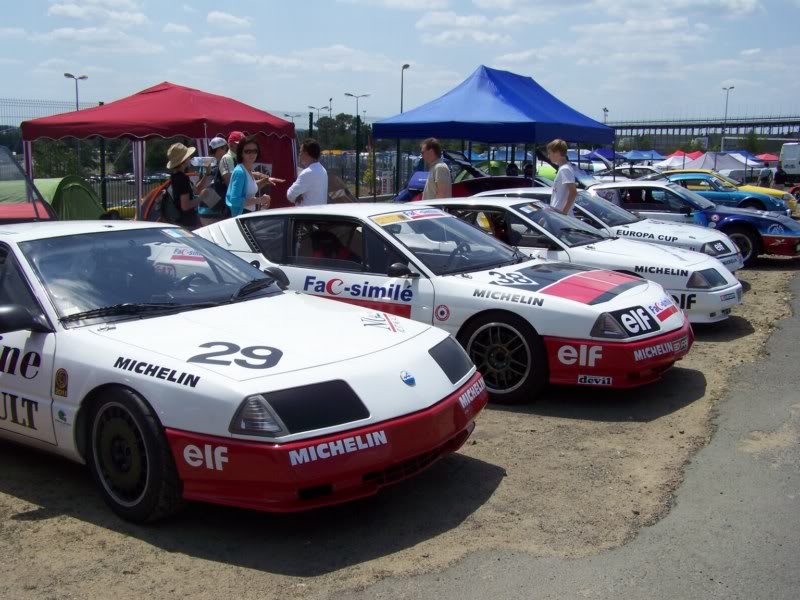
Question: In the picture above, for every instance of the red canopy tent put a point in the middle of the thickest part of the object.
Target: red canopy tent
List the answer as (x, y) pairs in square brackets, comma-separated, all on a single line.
[(694, 155), (678, 153), (167, 110), (767, 157)]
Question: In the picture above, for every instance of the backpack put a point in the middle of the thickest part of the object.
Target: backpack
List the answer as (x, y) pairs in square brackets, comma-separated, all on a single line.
[(167, 208)]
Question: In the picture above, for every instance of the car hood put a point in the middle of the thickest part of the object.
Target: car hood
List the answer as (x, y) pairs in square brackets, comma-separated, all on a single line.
[(576, 283), (788, 223), (661, 231), (305, 331), (651, 254), (762, 190)]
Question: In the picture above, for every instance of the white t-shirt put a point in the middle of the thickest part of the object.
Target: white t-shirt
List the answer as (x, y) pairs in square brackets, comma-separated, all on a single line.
[(565, 176), (312, 183)]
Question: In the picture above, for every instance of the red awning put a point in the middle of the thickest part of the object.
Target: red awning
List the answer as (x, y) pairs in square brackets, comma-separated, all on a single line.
[(695, 154), (164, 110), (677, 153), (767, 157)]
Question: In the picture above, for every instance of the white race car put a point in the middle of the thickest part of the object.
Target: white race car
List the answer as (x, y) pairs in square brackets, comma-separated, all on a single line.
[(524, 322), (699, 283), (614, 220), (178, 371)]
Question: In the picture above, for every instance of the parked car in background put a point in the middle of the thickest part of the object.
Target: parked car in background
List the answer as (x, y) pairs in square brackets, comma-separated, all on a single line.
[(699, 284), (754, 232), (729, 192), (594, 210), (629, 171)]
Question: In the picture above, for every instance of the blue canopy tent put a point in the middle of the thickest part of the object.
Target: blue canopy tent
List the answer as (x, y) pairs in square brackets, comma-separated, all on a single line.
[(496, 106), (606, 154), (635, 155)]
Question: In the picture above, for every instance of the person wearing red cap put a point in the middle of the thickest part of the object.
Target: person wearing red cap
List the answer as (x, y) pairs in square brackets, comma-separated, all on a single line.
[(228, 162)]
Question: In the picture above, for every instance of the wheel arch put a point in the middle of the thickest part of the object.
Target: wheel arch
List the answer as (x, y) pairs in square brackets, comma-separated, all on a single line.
[(753, 201), (82, 416), (492, 311)]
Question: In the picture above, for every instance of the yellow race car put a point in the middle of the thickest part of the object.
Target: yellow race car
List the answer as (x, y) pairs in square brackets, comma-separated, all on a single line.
[(791, 201)]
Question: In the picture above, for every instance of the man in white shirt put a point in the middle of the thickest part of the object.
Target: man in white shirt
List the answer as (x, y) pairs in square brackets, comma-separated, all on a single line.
[(311, 186), (564, 189), (439, 183)]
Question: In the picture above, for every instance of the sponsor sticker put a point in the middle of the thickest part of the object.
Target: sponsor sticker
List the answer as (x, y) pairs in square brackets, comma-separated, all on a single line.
[(408, 378), (388, 219), (61, 385), (663, 309), (211, 457), (424, 213), (584, 356), (151, 370), (663, 349), (61, 417), (442, 312), (187, 254), (727, 297), (471, 393), (715, 218), (337, 287), (381, 320), (775, 229), (13, 361), (595, 380), (326, 450), (636, 320), (19, 411), (177, 232), (508, 297), (662, 271), (686, 301)]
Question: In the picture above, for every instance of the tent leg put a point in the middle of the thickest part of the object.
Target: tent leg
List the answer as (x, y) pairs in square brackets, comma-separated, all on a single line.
[(535, 162), (103, 184), (397, 170), (469, 150), (614, 159)]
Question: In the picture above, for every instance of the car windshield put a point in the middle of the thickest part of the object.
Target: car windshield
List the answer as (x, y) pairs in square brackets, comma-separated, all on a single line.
[(725, 184), (117, 274), (569, 230), (610, 214), (445, 244), (693, 198)]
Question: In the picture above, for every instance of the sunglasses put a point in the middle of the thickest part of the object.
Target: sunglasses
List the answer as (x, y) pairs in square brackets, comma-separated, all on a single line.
[(250, 151)]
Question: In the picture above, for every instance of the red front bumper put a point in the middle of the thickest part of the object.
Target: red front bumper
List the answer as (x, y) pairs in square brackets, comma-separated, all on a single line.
[(781, 245), (616, 364), (325, 470)]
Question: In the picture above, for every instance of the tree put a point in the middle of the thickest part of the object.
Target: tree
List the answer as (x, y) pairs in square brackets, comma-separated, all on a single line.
[(752, 143)]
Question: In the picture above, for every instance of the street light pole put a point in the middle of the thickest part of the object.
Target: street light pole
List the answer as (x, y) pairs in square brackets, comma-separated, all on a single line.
[(358, 135), (330, 108), (605, 115), (398, 174), (77, 108), (292, 117), (727, 91)]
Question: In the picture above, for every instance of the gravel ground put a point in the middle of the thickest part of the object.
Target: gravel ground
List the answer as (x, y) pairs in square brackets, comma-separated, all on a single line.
[(572, 475)]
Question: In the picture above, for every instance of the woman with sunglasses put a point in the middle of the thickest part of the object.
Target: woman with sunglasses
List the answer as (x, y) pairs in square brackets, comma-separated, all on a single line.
[(243, 189)]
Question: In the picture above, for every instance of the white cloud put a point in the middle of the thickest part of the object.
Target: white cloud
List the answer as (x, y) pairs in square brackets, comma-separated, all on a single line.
[(227, 40), (750, 52), (402, 4), (189, 8), (99, 40), (12, 32), (496, 4), (457, 36), (97, 9), (513, 58), (51, 63), (175, 28), (450, 19), (223, 19)]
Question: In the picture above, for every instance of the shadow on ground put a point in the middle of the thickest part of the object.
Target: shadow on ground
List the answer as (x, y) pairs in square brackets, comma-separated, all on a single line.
[(732, 328), (775, 263), (300, 544), (678, 388)]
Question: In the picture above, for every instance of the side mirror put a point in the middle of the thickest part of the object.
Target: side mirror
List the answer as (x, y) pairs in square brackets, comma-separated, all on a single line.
[(687, 210), (14, 317), (279, 276), (400, 270)]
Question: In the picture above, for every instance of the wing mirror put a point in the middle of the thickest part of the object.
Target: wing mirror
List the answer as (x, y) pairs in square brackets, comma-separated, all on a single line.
[(14, 317), (687, 210), (279, 276), (399, 269)]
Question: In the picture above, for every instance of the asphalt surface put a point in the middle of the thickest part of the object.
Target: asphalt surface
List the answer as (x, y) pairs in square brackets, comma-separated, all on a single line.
[(734, 530)]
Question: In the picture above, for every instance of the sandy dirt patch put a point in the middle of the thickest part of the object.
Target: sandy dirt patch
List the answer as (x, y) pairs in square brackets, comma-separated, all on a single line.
[(574, 474)]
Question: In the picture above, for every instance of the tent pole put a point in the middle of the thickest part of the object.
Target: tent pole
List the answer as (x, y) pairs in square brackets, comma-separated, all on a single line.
[(614, 159), (469, 150), (462, 146), (397, 169), (535, 163), (103, 183)]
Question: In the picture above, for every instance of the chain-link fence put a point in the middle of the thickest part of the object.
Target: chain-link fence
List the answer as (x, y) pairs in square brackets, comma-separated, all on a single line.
[(377, 179)]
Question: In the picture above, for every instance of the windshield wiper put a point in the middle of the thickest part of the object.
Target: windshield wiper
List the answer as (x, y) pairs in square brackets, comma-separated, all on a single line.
[(252, 286), (130, 308), (520, 256), (583, 232)]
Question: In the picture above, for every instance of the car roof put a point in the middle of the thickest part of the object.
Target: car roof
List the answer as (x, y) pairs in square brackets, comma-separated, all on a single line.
[(485, 200), (36, 230), (360, 210), (543, 191), (629, 184), (679, 171)]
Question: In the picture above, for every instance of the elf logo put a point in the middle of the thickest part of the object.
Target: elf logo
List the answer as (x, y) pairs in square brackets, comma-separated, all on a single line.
[(210, 457), (585, 356), (685, 301), (636, 320)]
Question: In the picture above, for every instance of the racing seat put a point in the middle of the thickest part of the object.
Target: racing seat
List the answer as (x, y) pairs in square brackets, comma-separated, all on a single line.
[(326, 245)]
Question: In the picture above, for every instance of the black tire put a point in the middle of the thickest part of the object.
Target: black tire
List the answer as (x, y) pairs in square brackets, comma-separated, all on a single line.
[(797, 195), (499, 343), (113, 215), (748, 243), (750, 203), (130, 459)]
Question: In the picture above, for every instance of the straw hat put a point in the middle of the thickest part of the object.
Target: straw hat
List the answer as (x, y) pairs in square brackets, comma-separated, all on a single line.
[(177, 154)]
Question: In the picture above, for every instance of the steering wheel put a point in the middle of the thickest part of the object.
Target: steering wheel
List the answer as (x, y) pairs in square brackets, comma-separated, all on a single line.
[(186, 281), (461, 247)]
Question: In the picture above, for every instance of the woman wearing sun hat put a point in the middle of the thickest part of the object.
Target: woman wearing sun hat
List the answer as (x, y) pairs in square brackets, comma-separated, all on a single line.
[(183, 192)]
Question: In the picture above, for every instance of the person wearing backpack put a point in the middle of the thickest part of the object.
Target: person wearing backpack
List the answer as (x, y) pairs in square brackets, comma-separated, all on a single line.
[(184, 194), (217, 189)]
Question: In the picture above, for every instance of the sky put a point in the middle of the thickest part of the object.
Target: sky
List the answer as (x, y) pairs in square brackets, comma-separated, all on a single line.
[(639, 58)]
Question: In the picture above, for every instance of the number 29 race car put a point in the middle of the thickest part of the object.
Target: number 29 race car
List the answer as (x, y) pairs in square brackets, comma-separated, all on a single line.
[(177, 371), (524, 322)]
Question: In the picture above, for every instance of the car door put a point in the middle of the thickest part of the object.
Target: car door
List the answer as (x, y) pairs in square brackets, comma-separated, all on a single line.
[(659, 203), (343, 259), (26, 361), (706, 188)]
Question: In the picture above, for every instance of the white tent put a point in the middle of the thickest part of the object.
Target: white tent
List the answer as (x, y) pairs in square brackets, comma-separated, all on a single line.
[(673, 162)]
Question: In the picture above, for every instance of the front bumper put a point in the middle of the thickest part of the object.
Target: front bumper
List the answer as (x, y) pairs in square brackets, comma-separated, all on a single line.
[(781, 245), (708, 306), (616, 364), (732, 262), (324, 470)]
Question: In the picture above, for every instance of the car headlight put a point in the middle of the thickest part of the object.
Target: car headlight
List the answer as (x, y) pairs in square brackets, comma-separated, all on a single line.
[(452, 359), (607, 326), (715, 248), (787, 197), (298, 409), (706, 279)]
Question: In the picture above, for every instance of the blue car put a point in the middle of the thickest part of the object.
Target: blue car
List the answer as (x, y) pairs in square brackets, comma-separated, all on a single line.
[(755, 232), (722, 193)]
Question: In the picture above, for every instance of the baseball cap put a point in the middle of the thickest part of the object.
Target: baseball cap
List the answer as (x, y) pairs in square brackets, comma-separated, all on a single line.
[(217, 142), (235, 136)]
